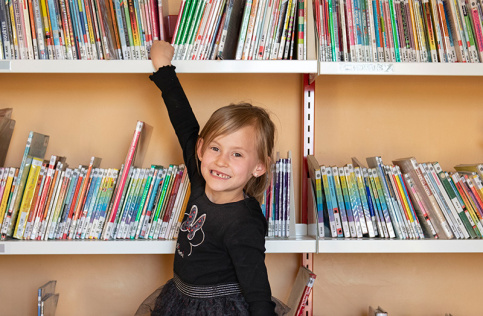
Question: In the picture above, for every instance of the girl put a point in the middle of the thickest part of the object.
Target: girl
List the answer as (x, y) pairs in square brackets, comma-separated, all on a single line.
[(219, 266)]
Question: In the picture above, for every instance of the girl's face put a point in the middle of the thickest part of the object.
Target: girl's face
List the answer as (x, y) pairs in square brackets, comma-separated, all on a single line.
[(227, 164)]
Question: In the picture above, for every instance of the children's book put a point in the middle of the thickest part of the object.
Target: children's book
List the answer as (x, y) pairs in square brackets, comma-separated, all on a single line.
[(106, 234), (36, 147), (301, 289)]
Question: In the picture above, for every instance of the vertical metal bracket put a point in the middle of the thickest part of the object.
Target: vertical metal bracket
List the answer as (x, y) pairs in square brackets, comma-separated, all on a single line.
[(308, 139), (308, 149)]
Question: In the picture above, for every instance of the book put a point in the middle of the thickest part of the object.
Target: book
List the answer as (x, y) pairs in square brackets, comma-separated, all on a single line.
[(9, 174), (427, 204), (316, 179), (93, 164), (340, 202), (476, 167), (243, 29), (452, 196), (127, 166), (27, 197), (301, 289), (444, 201), (35, 147)]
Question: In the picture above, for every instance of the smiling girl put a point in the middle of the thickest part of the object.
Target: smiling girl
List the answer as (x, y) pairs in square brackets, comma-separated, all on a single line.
[(219, 264)]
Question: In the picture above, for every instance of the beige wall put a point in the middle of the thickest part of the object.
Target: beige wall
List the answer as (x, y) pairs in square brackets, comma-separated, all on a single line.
[(430, 118)]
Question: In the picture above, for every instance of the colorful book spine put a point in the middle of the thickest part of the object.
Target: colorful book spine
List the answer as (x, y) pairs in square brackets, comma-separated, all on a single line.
[(340, 201), (122, 183)]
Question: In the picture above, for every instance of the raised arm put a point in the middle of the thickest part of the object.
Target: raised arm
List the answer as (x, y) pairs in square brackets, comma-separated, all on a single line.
[(179, 110)]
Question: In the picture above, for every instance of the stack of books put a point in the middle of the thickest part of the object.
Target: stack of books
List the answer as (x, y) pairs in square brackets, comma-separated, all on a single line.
[(399, 30), (278, 204), (405, 200)]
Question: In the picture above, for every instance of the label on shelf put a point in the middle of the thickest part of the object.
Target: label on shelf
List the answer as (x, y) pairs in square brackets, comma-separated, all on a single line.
[(371, 68), (5, 65)]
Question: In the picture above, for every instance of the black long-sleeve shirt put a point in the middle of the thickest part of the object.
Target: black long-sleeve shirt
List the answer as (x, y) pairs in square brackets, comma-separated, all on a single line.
[(217, 243)]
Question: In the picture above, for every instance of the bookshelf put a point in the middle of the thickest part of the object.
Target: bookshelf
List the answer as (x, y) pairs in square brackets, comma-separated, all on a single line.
[(56, 91), (332, 102), (431, 112)]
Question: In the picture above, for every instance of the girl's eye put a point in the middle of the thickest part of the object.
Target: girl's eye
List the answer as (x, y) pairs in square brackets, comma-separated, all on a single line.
[(215, 148), (237, 154)]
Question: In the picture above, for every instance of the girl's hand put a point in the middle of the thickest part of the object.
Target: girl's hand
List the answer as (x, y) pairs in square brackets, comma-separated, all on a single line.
[(161, 54)]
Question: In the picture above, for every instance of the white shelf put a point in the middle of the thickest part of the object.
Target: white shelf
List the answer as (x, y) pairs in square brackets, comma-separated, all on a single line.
[(401, 69), (244, 66), (145, 66), (332, 245), (298, 244), (86, 247)]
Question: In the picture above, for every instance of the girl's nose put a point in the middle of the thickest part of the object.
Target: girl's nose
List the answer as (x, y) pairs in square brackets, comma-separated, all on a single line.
[(222, 160)]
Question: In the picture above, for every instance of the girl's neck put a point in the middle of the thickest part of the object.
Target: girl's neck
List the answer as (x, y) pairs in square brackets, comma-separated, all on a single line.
[(224, 197)]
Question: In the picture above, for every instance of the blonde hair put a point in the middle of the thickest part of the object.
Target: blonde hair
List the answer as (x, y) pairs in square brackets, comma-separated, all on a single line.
[(231, 118)]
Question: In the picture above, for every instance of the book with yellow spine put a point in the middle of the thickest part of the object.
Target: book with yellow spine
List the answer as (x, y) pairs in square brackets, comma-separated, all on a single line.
[(28, 195), (7, 195)]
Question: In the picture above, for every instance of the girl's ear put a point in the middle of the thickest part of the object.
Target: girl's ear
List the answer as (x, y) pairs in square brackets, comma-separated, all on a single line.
[(260, 170), (199, 146)]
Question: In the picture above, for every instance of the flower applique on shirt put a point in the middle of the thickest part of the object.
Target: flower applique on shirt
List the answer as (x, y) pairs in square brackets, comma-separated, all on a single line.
[(194, 228)]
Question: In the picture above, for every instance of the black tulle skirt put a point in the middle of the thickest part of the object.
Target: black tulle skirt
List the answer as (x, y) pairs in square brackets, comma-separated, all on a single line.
[(172, 302)]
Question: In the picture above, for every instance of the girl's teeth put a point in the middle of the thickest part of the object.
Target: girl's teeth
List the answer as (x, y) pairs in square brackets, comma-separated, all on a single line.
[(219, 175)]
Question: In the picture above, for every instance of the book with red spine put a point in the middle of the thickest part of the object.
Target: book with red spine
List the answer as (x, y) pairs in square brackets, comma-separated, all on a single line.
[(301, 289), (94, 163), (127, 166)]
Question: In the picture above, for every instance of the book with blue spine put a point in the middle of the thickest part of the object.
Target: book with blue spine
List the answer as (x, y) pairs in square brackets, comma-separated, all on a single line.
[(316, 178), (385, 198), (364, 200), (376, 225), (383, 213), (329, 209), (335, 204), (355, 201), (343, 174), (340, 201)]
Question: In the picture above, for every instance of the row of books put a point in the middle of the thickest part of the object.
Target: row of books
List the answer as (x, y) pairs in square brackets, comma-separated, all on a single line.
[(44, 200), (58, 202), (399, 30), (241, 29), (83, 29), (277, 201), (75, 203), (405, 200)]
